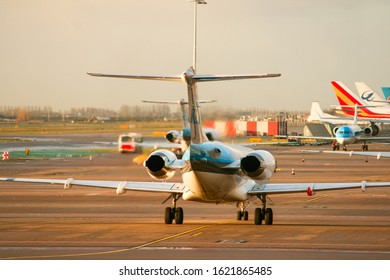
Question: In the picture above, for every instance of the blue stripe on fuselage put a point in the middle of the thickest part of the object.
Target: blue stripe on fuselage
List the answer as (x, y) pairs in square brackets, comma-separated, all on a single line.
[(213, 157)]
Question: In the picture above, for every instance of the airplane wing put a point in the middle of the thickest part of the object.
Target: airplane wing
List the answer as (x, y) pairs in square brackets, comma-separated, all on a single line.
[(378, 155), (158, 145), (310, 188), (120, 186), (307, 137), (374, 138), (270, 143)]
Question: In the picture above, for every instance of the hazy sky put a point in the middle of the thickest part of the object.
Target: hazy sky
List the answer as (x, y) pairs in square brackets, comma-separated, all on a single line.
[(47, 47)]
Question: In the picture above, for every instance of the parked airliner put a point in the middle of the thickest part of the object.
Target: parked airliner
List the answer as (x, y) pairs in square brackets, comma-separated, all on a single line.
[(347, 99), (370, 98), (345, 134)]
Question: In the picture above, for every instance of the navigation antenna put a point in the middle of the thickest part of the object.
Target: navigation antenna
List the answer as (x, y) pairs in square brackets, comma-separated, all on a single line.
[(196, 2)]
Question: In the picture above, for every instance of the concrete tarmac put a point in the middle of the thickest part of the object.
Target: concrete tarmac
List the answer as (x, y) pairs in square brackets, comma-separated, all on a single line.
[(45, 222)]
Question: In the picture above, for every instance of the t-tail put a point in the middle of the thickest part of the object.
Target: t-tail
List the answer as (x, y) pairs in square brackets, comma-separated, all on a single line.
[(191, 79)]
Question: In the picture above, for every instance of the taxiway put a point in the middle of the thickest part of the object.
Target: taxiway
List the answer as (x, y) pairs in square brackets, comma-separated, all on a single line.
[(46, 222)]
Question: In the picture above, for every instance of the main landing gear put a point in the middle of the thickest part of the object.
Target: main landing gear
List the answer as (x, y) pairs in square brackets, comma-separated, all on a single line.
[(174, 213), (261, 214)]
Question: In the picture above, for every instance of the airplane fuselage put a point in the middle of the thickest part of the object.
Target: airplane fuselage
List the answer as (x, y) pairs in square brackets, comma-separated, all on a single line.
[(213, 173), (348, 134)]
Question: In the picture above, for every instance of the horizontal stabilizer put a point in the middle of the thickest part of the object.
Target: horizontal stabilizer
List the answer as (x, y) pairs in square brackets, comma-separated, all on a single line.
[(173, 78), (179, 102), (209, 78), (179, 78)]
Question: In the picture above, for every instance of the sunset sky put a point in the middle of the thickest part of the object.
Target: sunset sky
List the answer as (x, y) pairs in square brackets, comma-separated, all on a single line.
[(48, 46)]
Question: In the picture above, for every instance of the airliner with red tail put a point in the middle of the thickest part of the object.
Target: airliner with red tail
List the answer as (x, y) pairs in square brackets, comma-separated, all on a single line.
[(348, 99)]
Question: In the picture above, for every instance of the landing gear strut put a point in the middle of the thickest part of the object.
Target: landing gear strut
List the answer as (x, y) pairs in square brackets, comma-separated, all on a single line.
[(263, 213), (174, 213)]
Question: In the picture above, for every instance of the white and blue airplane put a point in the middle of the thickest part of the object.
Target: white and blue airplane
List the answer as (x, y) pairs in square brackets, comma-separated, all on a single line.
[(212, 172)]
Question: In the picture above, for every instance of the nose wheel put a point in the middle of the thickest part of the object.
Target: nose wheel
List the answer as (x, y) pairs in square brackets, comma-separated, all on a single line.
[(242, 214)]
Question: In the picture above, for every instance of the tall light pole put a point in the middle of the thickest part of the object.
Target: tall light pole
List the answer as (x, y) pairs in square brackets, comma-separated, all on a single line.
[(196, 2)]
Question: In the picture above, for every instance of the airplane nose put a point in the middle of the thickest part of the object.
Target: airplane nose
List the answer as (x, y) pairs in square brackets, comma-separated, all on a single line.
[(340, 140)]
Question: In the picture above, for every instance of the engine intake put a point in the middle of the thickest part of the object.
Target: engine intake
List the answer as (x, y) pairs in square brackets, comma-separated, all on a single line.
[(158, 163), (172, 136), (335, 130), (373, 129), (252, 165), (212, 134), (258, 165), (368, 131)]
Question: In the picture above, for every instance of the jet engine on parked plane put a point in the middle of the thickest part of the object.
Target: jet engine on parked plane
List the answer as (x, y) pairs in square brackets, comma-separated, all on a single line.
[(212, 134), (258, 165), (172, 136), (158, 163), (372, 130)]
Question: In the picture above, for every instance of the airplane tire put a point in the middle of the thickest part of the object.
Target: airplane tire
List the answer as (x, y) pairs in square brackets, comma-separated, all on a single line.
[(258, 216), (168, 216), (246, 215), (268, 217), (239, 215), (179, 216)]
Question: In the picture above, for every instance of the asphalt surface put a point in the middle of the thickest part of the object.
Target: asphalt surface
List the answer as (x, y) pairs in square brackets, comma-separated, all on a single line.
[(45, 222)]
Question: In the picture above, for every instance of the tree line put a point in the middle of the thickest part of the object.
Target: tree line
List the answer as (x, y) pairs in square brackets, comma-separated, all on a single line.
[(148, 112)]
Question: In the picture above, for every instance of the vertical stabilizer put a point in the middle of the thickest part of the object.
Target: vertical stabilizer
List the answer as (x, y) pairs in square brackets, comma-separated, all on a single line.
[(345, 96), (316, 113), (194, 116), (355, 115), (386, 93), (368, 95)]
